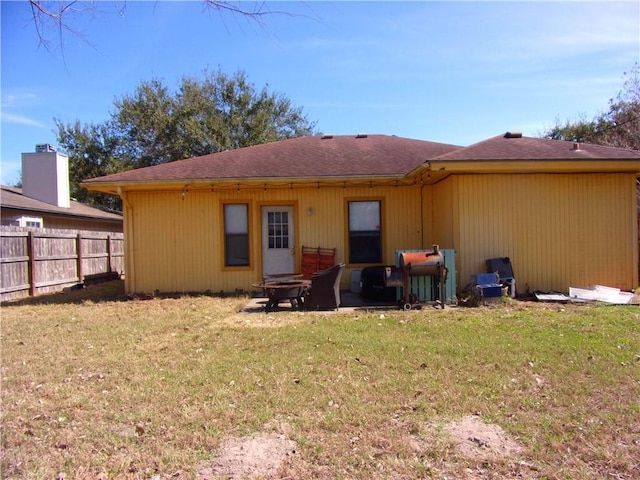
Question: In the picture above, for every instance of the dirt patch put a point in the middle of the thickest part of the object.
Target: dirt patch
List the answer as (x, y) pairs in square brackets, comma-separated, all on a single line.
[(257, 456), (479, 440)]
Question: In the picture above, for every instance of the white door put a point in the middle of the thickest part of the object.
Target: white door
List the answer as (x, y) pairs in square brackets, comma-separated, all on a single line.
[(278, 254)]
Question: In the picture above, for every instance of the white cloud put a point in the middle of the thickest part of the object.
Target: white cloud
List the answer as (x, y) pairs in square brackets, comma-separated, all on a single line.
[(17, 99), (21, 120)]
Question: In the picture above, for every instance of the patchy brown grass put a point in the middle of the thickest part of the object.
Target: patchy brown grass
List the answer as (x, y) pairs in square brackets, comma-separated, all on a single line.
[(98, 386)]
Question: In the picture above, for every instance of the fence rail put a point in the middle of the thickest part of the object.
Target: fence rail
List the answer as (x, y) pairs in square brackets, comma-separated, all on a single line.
[(38, 261)]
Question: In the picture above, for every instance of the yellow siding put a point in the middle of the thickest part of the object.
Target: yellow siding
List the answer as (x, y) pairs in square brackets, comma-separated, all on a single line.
[(173, 248), (441, 213), (558, 230), (177, 245)]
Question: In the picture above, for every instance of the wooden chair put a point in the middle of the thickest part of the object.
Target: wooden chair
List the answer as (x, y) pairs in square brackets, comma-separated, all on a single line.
[(326, 258), (309, 262), (315, 259)]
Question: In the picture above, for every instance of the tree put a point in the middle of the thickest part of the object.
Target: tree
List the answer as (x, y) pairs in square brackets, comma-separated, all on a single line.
[(155, 125), (617, 127), (215, 113), (92, 151)]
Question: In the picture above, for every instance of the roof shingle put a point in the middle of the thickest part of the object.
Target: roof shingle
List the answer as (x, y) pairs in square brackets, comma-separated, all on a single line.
[(303, 157), (316, 157), (13, 198), (526, 148)]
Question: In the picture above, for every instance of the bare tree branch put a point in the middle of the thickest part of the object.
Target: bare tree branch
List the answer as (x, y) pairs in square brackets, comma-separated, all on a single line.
[(55, 15)]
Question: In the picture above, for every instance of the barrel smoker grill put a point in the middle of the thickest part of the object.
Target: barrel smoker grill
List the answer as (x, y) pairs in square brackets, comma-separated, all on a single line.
[(425, 263)]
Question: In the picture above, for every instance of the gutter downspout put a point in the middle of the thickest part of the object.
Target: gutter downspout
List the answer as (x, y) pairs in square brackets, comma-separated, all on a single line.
[(426, 166), (422, 185), (129, 257)]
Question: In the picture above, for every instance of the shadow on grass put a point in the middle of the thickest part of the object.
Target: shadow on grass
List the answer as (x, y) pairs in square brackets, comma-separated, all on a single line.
[(111, 291)]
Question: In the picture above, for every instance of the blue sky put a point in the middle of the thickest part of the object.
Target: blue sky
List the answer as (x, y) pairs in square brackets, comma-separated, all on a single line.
[(452, 72)]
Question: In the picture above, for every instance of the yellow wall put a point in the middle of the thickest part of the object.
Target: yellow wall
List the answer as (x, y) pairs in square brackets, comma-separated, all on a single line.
[(559, 230), (176, 245)]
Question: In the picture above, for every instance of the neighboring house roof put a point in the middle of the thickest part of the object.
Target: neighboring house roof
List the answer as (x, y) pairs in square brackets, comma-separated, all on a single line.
[(13, 198), (515, 147), (303, 157)]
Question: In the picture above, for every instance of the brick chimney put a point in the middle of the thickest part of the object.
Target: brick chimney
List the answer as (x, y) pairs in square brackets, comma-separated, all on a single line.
[(45, 176)]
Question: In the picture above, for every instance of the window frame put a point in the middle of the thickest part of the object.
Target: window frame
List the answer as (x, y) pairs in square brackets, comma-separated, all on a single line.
[(225, 236), (276, 239), (31, 222), (380, 229)]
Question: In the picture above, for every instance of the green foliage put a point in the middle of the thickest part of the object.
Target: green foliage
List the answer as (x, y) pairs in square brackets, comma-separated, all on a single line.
[(92, 151), (580, 130), (617, 127), (155, 125)]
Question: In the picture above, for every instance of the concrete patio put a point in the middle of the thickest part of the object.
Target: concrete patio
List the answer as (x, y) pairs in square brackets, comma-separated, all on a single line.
[(349, 302)]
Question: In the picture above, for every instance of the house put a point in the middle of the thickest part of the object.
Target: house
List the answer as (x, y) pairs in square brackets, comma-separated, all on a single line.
[(20, 210), (564, 213), (44, 200), (48, 241)]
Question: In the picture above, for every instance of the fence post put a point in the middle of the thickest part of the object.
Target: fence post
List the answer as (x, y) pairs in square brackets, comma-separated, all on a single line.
[(79, 256), (109, 254), (31, 264)]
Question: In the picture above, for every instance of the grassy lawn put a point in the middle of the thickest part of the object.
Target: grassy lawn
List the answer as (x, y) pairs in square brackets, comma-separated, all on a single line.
[(112, 388)]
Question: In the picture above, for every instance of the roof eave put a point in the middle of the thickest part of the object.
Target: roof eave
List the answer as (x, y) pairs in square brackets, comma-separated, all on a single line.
[(74, 215), (113, 188), (585, 165)]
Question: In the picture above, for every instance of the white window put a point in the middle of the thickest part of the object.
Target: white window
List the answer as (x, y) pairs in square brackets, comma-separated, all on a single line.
[(236, 234), (278, 227), (365, 233), (35, 222)]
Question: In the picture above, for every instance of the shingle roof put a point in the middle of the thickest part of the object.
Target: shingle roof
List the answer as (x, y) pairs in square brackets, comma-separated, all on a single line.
[(526, 148), (317, 157), (303, 157), (13, 198)]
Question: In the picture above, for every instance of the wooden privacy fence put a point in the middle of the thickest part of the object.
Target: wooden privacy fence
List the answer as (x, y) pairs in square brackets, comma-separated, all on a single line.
[(38, 261)]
